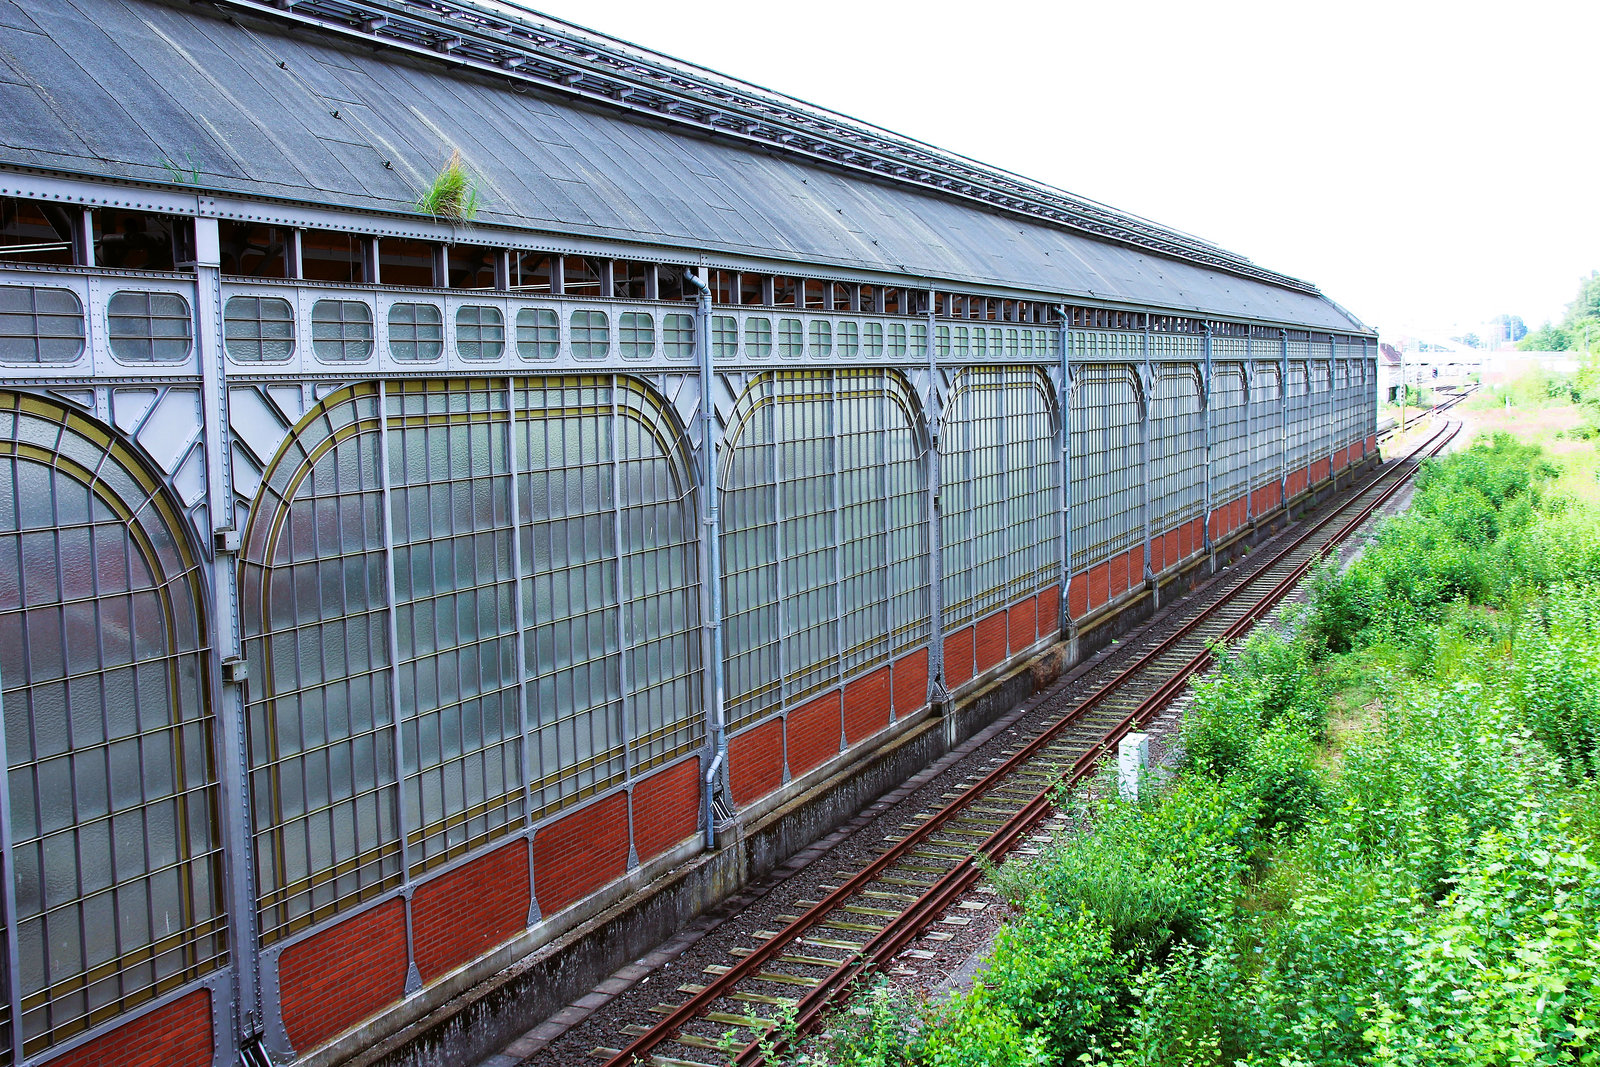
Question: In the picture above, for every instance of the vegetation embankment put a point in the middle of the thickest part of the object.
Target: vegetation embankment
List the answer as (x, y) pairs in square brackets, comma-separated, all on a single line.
[(1376, 849)]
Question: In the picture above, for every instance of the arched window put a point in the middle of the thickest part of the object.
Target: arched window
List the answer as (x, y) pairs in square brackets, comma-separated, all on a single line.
[(108, 727), (824, 546), (462, 561), (1000, 483)]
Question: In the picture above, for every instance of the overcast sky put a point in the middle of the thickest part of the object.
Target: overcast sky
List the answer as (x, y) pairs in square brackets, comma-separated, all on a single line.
[(1425, 164)]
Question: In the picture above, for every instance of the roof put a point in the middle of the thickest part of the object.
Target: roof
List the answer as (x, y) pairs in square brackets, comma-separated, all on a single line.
[(245, 102)]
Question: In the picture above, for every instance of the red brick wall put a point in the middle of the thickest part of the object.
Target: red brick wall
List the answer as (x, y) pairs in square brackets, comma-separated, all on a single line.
[(579, 853), (346, 973), (459, 916), (910, 682), (991, 641), (1099, 586), (755, 762), (866, 705), (666, 808), (1049, 612), (1022, 623), (813, 734), (958, 658), (1117, 575), (1078, 596), (1186, 538), (177, 1035), (1371, 444)]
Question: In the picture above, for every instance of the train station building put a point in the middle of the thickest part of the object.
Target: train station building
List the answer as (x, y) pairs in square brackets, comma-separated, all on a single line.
[(407, 571)]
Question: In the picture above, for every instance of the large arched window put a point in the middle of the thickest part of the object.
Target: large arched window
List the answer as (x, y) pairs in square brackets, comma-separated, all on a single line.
[(1000, 486), (505, 571), (824, 541), (1177, 447), (1106, 467), (115, 849)]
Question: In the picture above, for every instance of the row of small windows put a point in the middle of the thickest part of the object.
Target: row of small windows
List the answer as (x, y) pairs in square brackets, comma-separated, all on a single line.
[(260, 329), (44, 325)]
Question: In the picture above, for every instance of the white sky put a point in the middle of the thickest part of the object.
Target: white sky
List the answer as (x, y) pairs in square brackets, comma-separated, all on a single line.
[(1425, 164)]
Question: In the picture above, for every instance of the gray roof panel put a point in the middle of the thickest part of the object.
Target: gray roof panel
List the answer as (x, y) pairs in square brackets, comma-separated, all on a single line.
[(121, 84)]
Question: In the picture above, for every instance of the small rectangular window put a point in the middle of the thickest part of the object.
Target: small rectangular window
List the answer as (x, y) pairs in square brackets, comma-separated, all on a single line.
[(471, 266), (416, 332), (980, 342), (869, 298), (250, 250), (258, 329), (919, 340), (813, 291), (752, 288), (591, 334), (33, 231), (149, 327), (333, 256), (897, 340), (1012, 344), (821, 338), (480, 331), (40, 325), (783, 292), (530, 272), (636, 335), (892, 304), (874, 339), (841, 297), (724, 285), (669, 283), (538, 333), (963, 348), (791, 339), (341, 330), (944, 341), (724, 336), (678, 336), (849, 340), (757, 337), (581, 276), (630, 280), (407, 263), (137, 240)]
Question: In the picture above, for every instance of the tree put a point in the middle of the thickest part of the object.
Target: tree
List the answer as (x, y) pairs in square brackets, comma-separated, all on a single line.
[(1512, 328), (1547, 338), (1587, 306)]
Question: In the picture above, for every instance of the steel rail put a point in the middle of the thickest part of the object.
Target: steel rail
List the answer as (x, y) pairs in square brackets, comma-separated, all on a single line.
[(943, 895), (939, 896)]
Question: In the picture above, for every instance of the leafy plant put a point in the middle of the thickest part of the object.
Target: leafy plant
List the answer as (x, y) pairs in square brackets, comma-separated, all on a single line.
[(454, 192)]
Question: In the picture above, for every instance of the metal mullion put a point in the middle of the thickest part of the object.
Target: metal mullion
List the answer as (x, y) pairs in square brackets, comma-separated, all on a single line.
[(837, 481), (624, 700), (519, 616), (1206, 398), (775, 448), (413, 976)]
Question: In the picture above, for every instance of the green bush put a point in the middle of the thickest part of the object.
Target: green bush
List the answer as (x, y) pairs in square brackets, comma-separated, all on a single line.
[(1557, 677)]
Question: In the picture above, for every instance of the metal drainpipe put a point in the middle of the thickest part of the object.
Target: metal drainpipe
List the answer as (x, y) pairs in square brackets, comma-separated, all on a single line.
[(1283, 421), (1146, 388), (1065, 340), (1205, 425), (711, 582), (937, 690)]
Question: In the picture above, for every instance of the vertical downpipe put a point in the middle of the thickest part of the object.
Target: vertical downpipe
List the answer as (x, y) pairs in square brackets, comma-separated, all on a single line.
[(1249, 371), (1283, 421), (1064, 341), (1205, 426), (232, 759), (711, 554), (1146, 383), (413, 975), (937, 693)]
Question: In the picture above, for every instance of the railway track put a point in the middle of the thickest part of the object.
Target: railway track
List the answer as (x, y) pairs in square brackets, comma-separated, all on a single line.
[(785, 985)]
